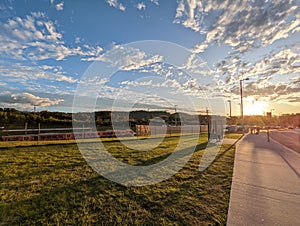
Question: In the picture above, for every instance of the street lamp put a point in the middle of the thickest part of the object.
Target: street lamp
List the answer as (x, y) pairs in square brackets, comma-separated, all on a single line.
[(208, 125), (175, 115), (229, 101), (242, 106)]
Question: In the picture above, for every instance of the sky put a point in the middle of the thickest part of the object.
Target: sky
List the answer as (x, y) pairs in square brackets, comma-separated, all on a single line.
[(154, 54)]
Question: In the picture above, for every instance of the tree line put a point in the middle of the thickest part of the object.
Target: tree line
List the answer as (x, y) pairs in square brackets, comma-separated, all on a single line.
[(11, 118)]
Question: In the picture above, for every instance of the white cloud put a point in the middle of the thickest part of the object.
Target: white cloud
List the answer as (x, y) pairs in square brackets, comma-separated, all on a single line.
[(20, 73), (195, 64), (180, 11), (59, 6), (283, 62), (137, 83), (268, 76), (127, 58), (141, 6), (122, 7), (155, 2), (157, 77), (28, 98), (185, 14), (77, 40), (240, 24), (116, 4), (35, 37), (199, 48)]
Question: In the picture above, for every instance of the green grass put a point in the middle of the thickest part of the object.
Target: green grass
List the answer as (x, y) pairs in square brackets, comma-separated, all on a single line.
[(233, 135), (53, 185)]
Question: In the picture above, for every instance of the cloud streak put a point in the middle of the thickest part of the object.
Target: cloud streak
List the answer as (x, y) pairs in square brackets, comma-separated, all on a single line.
[(116, 4)]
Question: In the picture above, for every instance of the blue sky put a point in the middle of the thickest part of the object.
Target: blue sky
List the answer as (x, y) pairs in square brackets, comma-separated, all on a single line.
[(47, 47)]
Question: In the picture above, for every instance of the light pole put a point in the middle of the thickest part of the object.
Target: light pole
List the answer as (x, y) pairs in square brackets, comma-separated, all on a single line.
[(242, 106), (208, 125), (175, 115), (229, 101)]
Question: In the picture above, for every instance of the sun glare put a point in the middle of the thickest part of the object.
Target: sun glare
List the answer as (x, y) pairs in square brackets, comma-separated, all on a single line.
[(255, 107)]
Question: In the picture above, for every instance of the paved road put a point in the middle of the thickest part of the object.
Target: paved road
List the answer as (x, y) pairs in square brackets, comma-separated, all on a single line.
[(266, 184), (289, 138)]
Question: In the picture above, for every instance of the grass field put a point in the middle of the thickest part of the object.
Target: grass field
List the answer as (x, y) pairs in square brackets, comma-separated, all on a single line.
[(52, 184), (233, 135)]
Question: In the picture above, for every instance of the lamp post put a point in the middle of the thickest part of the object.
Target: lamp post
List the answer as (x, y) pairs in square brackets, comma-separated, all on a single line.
[(242, 106), (208, 125), (175, 118), (229, 101)]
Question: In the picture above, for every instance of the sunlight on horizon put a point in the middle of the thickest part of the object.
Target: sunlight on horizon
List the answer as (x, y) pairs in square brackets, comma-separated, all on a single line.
[(252, 107)]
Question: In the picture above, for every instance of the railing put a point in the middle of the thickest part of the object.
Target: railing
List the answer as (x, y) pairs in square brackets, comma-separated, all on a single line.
[(78, 133)]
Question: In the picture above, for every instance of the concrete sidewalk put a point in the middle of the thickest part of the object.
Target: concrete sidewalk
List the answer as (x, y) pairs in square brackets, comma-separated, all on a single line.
[(266, 184)]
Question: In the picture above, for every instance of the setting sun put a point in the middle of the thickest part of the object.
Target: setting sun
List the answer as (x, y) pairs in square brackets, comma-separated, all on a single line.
[(255, 107)]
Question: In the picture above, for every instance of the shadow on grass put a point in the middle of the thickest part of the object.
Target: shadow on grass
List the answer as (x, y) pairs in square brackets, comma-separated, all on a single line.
[(190, 197), (111, 202), (183, 154), (43, 168), (96, 200)]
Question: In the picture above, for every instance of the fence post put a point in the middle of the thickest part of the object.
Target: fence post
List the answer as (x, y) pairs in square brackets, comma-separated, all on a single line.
[(83, 134), (38, 136), (25, 131)]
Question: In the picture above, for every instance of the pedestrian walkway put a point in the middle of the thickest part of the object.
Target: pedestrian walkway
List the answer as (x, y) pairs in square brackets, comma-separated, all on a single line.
[(266, 184)]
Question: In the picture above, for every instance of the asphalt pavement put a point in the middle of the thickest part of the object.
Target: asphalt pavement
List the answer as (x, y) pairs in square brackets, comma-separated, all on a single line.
[(289, 138), (266, 183)]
